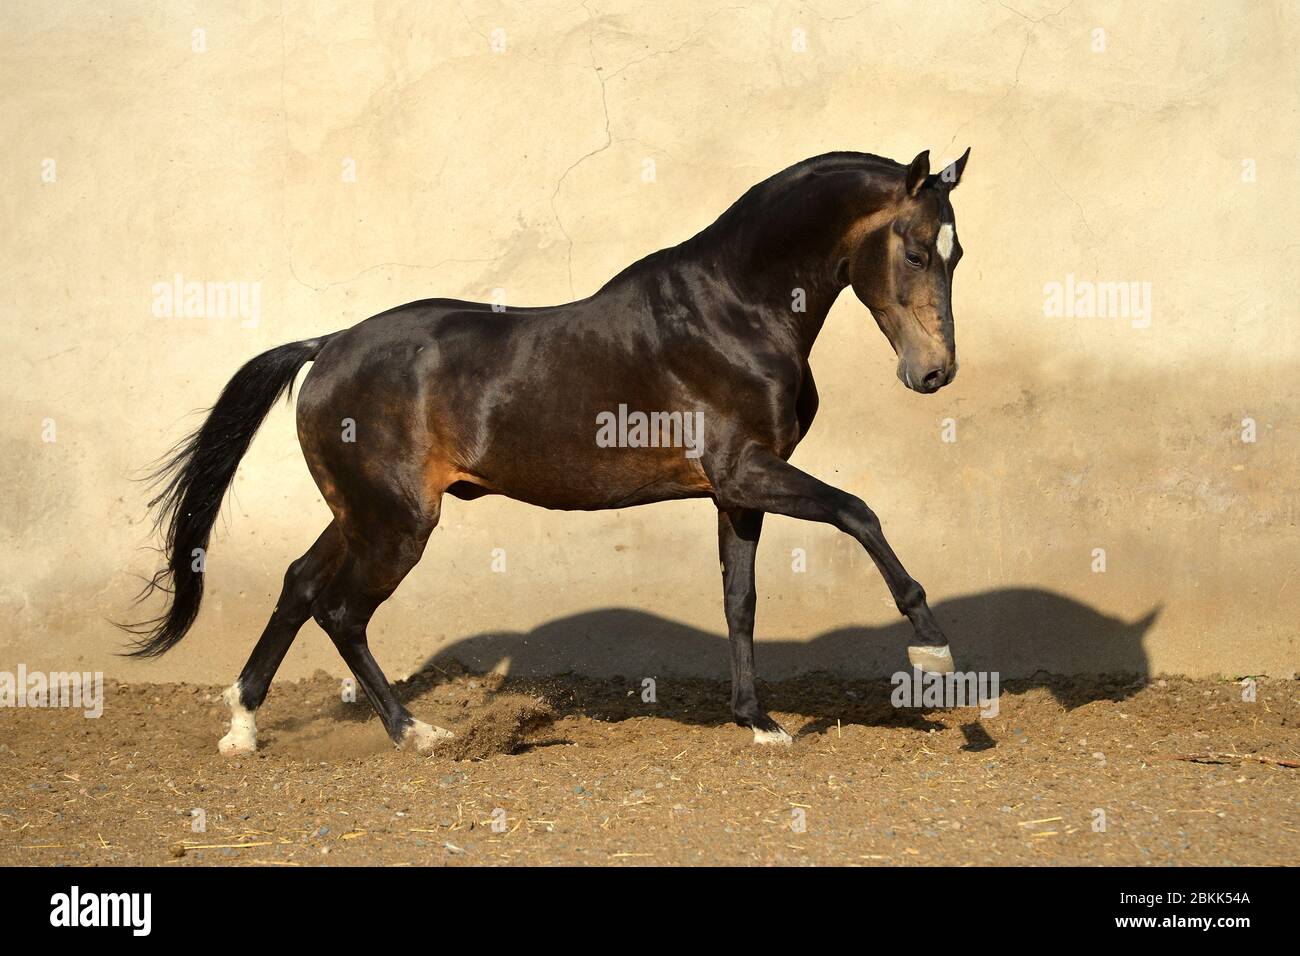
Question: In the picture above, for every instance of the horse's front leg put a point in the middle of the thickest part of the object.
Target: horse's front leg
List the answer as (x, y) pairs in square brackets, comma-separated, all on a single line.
[(738, 532), (760, 480)]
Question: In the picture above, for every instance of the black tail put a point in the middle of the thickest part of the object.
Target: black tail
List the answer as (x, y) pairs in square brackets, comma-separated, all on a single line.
[(197, 472)]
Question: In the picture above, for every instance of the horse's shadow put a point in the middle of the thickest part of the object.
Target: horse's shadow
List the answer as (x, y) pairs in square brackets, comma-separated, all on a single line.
[(1030, 637)]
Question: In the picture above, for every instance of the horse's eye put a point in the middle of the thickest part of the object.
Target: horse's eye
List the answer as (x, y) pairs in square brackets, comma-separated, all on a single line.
[(913, 259)]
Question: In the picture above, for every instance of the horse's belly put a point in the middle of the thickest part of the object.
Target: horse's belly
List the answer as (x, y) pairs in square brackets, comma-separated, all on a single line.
[(596, 479)]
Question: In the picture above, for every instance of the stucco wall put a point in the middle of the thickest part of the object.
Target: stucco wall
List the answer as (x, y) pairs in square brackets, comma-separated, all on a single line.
[(1161, 152)]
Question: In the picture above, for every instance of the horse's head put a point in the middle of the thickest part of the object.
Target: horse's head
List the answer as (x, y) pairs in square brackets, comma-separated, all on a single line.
[(901, 268)]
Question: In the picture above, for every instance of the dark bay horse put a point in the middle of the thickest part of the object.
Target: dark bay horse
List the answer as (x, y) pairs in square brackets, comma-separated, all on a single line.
[(685, 376)]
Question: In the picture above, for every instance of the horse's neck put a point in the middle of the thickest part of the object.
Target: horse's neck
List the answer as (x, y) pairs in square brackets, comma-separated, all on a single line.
[(784, 257), (800, 305)]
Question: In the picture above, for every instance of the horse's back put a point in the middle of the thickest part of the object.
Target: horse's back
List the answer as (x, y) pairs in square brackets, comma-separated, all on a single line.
[(507, 400)]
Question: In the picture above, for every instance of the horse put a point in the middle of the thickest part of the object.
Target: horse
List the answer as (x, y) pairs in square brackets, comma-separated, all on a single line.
[(442, 396)]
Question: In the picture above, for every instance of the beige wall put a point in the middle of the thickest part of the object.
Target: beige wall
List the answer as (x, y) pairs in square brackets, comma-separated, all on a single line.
[(523, 170)]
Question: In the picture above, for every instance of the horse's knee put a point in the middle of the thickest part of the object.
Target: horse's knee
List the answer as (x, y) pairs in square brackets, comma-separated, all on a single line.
[(854, 516)]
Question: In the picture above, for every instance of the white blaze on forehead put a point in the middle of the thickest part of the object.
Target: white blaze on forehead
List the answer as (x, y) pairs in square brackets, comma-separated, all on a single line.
[(943, 241)]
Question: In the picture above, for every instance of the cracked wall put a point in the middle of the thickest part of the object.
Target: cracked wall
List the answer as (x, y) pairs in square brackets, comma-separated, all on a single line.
[(504, 146)]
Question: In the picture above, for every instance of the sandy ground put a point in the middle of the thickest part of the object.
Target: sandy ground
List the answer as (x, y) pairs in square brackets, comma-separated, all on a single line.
[(609, 779)]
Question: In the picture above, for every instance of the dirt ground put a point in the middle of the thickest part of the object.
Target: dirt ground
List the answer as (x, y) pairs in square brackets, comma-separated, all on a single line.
[(576, 771)]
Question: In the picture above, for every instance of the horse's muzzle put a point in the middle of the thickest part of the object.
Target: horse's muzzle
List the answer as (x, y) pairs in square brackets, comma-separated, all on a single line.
[(929, 380)]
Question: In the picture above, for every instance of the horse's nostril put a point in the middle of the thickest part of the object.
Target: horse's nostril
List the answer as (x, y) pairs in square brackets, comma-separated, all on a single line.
[(933, 378)]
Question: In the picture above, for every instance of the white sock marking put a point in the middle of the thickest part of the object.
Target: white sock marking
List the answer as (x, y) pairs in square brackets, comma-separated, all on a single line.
[(242, 738), (778, 736), (424, 736), (933, 660)]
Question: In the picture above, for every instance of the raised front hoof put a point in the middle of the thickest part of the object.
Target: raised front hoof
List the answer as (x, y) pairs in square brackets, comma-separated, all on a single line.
[(236, 745), (424, 738), (932, 660)]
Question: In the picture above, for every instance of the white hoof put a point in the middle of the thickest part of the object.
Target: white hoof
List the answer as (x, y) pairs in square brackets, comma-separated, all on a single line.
[(773, 738), (242, 738), (424, 737), (933, 660)]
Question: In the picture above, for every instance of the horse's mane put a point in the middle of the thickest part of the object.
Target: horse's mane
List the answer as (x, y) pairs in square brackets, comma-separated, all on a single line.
[(800, 175)]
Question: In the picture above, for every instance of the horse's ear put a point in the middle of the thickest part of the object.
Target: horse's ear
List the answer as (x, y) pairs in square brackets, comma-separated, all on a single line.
[(917, 172), (951, 174)]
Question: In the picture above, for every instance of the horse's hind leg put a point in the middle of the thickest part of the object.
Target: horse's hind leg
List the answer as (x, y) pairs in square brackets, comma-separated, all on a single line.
[(302, 582), (378, 558)]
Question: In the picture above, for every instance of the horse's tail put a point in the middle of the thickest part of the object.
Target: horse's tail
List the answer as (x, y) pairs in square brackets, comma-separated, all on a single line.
[(195, 475)]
